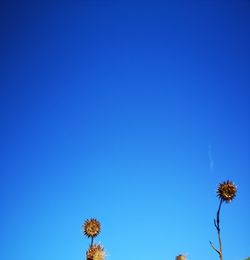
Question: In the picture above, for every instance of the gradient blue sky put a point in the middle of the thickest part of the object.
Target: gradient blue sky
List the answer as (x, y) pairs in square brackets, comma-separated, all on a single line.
[(131, 112)]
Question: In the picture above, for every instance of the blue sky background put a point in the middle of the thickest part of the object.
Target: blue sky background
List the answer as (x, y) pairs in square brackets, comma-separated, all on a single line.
[(129, 112)]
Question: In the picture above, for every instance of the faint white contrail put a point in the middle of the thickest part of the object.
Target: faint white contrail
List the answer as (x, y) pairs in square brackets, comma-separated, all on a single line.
[(211, 161)]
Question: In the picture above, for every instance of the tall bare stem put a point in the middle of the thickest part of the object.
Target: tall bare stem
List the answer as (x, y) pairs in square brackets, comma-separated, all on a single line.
[(217, 226)]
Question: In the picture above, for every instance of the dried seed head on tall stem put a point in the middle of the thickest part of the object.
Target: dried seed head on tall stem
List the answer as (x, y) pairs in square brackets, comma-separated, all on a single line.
[(226, 192)]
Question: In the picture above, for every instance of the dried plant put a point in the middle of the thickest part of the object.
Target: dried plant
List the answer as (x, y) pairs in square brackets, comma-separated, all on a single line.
[(95, 252), (181, 257), (91, 229), (226, 192)]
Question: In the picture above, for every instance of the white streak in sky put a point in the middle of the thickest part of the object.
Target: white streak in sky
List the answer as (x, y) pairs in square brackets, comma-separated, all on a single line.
[(211, 161)]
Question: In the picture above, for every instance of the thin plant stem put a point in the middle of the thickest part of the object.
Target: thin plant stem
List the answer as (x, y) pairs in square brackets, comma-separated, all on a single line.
[(217, 225)]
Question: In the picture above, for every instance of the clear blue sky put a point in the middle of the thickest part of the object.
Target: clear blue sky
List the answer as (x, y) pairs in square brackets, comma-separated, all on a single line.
[(129, 112)]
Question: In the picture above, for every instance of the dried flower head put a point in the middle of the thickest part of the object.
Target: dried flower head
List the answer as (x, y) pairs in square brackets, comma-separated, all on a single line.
[(95, 252), (181, 257), (91, 227), (226, 191)]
